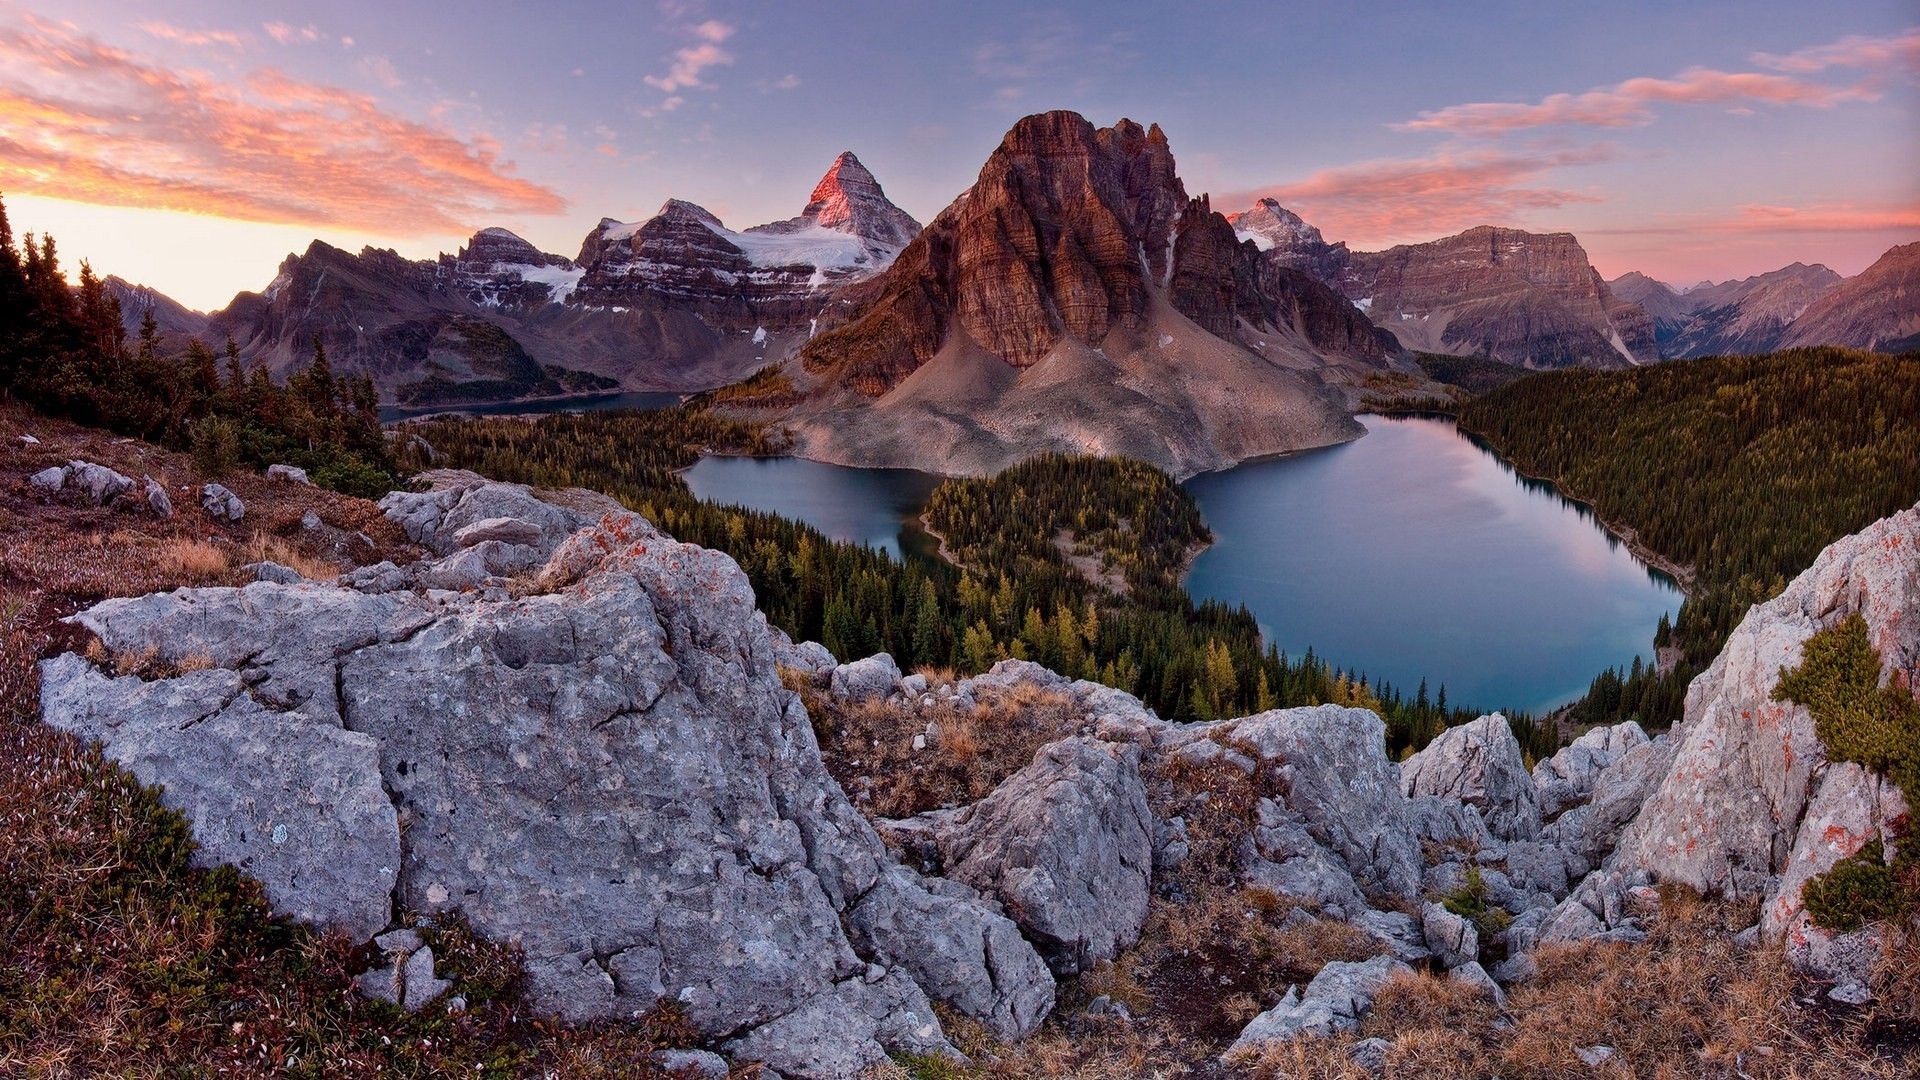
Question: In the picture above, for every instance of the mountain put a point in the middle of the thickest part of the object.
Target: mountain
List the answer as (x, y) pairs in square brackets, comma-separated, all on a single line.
[(1879, 309), (675, 302), (1748, 316), (1076, 299), (1670, 309), (1527, 299), (1289, 241), (174, 320)]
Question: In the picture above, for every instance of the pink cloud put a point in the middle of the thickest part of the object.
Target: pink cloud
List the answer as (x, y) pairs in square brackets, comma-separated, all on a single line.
[(688, 63), (1386, 201), (1764, 219), (85, 121), (1855, 51), (1627, 104), (169, 32)]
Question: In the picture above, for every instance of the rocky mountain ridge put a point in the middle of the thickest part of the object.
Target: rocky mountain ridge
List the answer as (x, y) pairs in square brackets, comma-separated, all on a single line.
[(606, 765), (676, 302), (1746, 316)]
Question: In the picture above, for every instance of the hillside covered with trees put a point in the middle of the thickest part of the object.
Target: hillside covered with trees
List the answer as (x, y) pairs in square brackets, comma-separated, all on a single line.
[(1740, 467), (64, 351)]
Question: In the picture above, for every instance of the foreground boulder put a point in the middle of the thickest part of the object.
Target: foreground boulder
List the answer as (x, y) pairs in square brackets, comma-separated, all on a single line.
[(1752, 805), (1331, 764), (1066, 844), (1479, 763), (605, 771), (1333, 1002), (222, 504), (96, 483)]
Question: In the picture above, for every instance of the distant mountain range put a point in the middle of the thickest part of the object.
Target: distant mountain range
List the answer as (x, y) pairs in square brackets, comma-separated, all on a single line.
[(1077, 254)]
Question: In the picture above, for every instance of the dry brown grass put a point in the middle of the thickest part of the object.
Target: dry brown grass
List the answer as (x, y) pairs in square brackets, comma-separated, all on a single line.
[(193, 561), (314, 567), (869, 747), (1685, 1005)]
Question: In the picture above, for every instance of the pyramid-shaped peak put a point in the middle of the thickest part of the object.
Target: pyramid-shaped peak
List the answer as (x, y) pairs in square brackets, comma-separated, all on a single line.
[(848, 199)]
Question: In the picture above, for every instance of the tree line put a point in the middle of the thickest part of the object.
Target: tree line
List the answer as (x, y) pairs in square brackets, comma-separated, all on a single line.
[(65, 351), (1010, 598), (1742, 467)]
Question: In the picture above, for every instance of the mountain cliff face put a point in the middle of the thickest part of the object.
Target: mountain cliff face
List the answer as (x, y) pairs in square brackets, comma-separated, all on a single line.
[(1527, 299), (1796, 305), (676, 302), (1076, 298), (1879, 309)]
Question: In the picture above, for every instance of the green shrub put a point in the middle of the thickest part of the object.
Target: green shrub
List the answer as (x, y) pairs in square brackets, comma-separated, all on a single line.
[(1878, 728)]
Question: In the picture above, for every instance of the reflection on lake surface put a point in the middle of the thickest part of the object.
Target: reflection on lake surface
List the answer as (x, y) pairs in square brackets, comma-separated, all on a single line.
[(875, 507), (1415, 552), (1411, 552)]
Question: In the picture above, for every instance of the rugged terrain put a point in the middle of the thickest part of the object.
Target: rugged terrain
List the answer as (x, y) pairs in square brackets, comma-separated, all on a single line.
[(1879, 309), (1076, 299), (570, 732), (1746, 317)]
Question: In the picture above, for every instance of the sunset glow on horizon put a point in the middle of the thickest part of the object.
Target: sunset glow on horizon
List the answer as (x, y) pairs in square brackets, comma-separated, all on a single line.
[(192, 145)]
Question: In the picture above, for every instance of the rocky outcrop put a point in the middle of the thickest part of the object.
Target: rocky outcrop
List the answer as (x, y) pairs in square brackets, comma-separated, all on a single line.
[(1569, 775), (1752, 806), (603, 769), (1331, 764), (97, 484), (1333, 1002), (1066, 844), (222, 504), (1480, 764)]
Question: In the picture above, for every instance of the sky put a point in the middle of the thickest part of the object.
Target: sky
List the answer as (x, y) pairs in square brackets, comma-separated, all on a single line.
[(192, 145)]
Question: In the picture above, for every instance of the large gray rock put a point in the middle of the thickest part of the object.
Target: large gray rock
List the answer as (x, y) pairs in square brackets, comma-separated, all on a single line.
[(456, 500), (1333, 1002), (1331, 764), (294, 802), (1450, 938), (99, 484), (290, 473), (956, 948), (1614, 798), (1479, 763), (158, 500), (222, 504), (1066, 844), (1567, 778), (51, 479), (1286, 859), (872, 679), (1752, 806), (605, 771)]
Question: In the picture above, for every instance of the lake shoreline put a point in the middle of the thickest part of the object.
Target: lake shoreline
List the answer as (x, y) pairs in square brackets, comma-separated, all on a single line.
[(1683, 576)]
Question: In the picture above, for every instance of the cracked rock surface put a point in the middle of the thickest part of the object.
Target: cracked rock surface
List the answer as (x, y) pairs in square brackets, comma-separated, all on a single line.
[(605, 771)]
